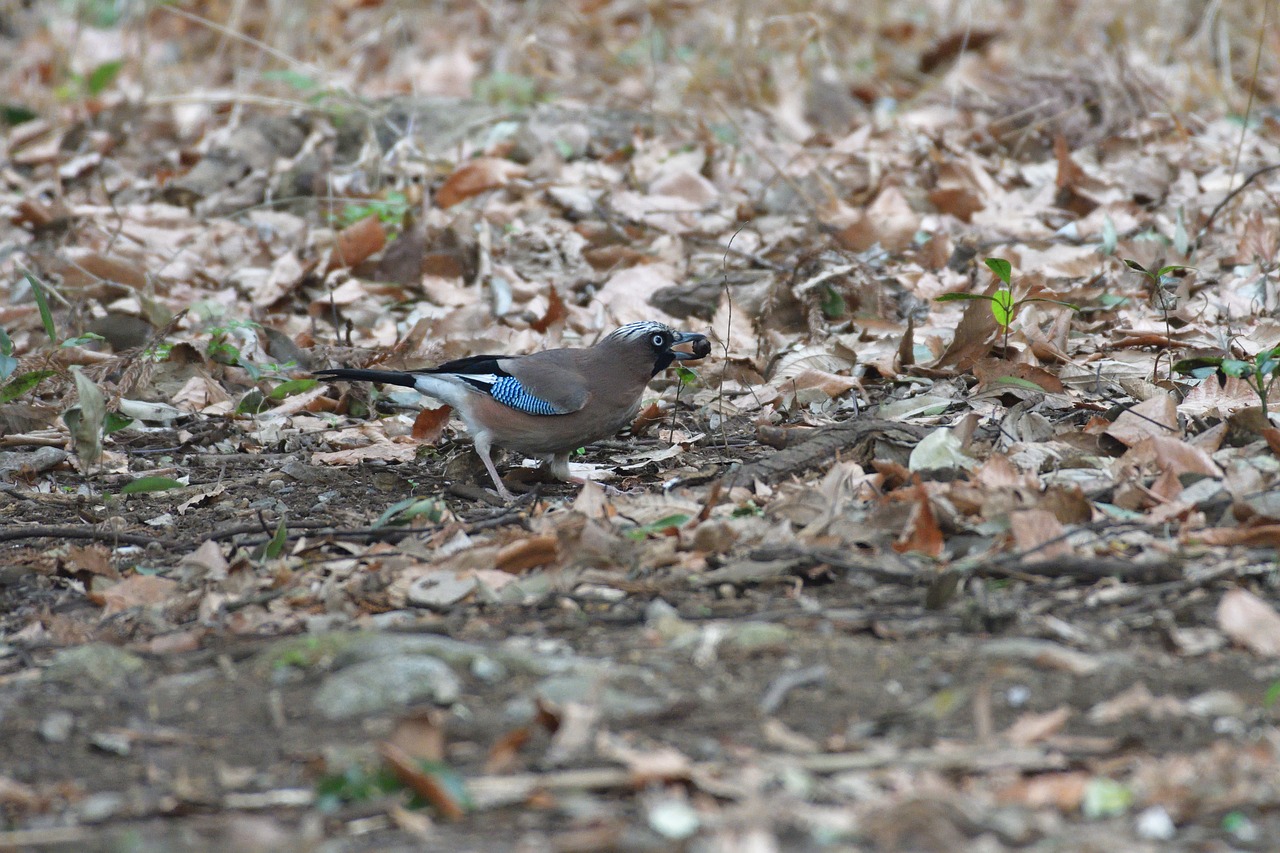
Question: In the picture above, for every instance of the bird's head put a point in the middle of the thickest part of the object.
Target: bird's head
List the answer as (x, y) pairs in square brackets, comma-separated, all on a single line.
[(657, 341)]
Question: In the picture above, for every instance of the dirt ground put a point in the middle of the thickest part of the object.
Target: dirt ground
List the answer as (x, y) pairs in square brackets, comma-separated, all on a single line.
[(223, 747), (963, 538)]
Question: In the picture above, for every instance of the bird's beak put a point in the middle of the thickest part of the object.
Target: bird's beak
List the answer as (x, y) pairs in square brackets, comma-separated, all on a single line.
[(699, 346)]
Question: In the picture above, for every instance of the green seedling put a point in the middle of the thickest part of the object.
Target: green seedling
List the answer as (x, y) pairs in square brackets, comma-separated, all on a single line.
[(1162, 284), (1261, 371), (1004, 308), (91, 85), (658, 528), (405, 511), (390, 210), (143, 485)]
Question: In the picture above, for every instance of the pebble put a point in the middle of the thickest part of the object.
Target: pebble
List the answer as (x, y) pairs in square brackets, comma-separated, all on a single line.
[(56, 727)]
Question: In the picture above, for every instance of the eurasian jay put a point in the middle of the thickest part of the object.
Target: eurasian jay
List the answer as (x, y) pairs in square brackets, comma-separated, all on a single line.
[(550, 403)]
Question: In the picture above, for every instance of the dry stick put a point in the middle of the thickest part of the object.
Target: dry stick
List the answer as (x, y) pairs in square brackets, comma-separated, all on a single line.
[(1244, 128), (1227, 200), (109, 536)]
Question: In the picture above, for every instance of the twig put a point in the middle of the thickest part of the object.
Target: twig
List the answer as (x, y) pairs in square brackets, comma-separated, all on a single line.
[(788, 681), (100, 534)]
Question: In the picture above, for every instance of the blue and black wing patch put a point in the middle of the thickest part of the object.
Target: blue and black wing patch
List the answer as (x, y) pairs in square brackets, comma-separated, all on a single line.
[(508, 391)]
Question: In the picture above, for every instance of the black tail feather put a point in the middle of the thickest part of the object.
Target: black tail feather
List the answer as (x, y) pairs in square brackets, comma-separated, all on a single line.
[(386, 377)]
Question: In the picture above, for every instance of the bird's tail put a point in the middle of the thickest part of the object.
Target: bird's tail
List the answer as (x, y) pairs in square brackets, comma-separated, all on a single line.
[(387, 377)]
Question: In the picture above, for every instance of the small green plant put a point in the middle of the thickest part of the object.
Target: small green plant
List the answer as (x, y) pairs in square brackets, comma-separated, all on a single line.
[(389, 210), (158, 352), (405, 511), (91, 85), (1004, 308), (507, 90), (1163, 298), (1261, 371), (657, 528), (220, 348)]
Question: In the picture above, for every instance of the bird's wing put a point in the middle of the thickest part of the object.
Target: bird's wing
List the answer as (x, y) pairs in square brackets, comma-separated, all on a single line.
[(528, 384)]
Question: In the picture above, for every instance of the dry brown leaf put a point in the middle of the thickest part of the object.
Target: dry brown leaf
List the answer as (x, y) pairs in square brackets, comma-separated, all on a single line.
[(504, 754), (92, 559), (421, 735), (1031, 728), (1063, 791), (420, 781), (1250, 622), (888, 221), (556, 312), (134, 591), (358, 242), (477, 176), (1039, 535), (528, 553), (1156, 416), (922, 534), (429, 425)]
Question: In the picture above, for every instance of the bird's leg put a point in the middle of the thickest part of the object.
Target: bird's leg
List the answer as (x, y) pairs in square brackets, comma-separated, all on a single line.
[(483, 445)]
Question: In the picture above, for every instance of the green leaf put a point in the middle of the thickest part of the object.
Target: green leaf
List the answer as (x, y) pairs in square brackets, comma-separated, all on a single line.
[(275, 547), (405, 511), (1164, 271), (659, 526), (686, 375), (1002, 307), (1105, 798), (81, 340), (115, 422), (252, 403), (14, 114), (24, 383), (294, 79), (1112, 300), (103, 76), (1237, 368), (46, 316), (150, 484), (1189, 365), (1134, 265), (1002, 268), (1272, 695), (961, 297), (291, 387), (833, 304)]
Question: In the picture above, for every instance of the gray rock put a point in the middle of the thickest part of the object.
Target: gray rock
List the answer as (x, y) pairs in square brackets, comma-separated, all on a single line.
[(56, 727), (96, 662), (386, 684)]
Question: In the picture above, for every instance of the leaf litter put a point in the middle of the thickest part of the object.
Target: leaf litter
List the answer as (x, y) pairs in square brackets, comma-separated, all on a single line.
[(917, 575)]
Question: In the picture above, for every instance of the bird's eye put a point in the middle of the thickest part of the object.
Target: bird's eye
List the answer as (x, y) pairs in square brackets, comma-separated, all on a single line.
[(659, 340)]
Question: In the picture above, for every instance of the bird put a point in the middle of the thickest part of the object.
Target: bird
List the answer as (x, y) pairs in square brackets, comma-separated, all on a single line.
[(549, 403)]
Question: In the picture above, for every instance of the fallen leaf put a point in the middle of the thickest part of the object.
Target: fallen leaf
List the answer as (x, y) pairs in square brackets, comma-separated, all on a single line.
[(1250, 622), (476, 176), (134, 591)]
